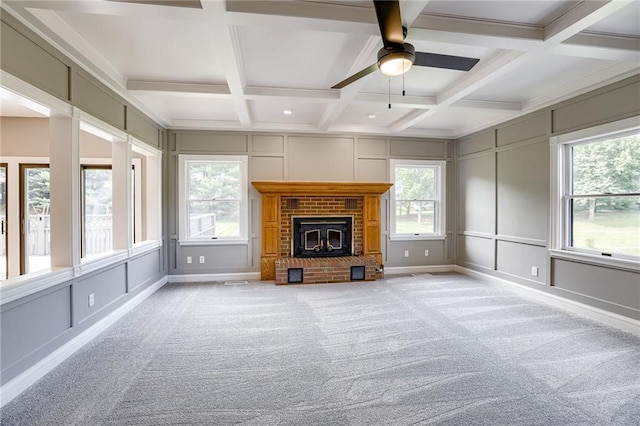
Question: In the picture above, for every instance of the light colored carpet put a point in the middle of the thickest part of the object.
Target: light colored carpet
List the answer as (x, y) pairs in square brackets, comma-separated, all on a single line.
[(442, 349)]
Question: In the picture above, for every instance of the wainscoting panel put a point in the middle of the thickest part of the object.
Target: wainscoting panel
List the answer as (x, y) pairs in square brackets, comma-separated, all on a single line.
[(523, 191), (476, 251), (107, 286), (144, 267), (611, 289), (30, 323), (518, 259)]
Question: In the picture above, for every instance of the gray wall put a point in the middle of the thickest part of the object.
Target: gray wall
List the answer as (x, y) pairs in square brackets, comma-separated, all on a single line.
[(503, 202), (36, 325), (294, 157)]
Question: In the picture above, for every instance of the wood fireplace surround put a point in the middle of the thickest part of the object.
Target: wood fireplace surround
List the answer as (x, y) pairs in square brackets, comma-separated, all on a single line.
[(282, 200)]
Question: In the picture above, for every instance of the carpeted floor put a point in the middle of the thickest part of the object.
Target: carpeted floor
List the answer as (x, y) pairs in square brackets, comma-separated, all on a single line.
[(442, 349)]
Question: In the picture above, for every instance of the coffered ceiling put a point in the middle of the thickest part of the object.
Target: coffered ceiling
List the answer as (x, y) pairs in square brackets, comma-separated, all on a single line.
[(237, 65)]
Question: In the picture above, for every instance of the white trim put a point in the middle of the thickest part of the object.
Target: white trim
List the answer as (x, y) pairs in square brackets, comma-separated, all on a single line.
[(406, 237), (418, 269), (610, 318), (440, 197), (102, 260), (560, 184), (144, 247), (595, 259), (183, 191), (211, 242), (34, 94), (192, 278), (144, 148), (24, 285), (22, 382), (603, 130)]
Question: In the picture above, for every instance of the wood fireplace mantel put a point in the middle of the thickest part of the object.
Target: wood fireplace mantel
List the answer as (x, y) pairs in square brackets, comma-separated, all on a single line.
[(322, 188), (272, 191)]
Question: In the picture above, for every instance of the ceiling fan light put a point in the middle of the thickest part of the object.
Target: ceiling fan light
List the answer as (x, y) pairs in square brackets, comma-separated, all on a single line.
[(396, 61)]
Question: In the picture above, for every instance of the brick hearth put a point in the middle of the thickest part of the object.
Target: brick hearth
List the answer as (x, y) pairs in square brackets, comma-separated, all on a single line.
[(325, 270)]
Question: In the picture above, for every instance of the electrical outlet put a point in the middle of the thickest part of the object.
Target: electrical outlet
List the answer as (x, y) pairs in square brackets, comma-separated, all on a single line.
[(189, 260), (534, 271), (406, 253), (92, 300), (426, 252), (201, 259)]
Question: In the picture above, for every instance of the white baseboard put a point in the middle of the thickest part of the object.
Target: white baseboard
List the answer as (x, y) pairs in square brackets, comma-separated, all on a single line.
[(22, 382), (417, 269), (619, 321), (193, 278)]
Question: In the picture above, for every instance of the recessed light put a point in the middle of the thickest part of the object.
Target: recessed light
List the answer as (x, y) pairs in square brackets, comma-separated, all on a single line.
[(372, 115), (287, 112)]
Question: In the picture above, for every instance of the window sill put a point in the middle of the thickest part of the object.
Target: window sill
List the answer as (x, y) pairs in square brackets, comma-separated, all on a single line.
[(217, 242), (144, 246), (102, 260), (612, 262), (417, 237), (25, 285)]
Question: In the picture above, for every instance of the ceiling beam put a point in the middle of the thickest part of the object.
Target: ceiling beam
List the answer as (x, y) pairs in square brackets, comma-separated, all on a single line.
[(488, 105), (225, 38), (114, 8), (601, 46), (487, 70), (580, 17), (221, 91), (362, 60), (200, 89)]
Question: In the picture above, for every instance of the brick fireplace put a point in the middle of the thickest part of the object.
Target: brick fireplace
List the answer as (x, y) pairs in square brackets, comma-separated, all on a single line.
[(282, 201)]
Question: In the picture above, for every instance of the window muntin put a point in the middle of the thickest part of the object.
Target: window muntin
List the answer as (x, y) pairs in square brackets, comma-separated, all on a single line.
[(601, 195), (417, 198), (213, 198)]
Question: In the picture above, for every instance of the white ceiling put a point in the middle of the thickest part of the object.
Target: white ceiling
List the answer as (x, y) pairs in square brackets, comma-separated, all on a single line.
[(237, 65)]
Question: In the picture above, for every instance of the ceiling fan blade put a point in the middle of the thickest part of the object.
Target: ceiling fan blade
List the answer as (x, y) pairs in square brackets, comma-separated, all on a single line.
[(436, 60), (356, 76), (390, 22), (195, 4)]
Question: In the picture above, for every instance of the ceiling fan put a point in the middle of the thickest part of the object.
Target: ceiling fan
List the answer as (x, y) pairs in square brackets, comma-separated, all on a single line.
[(396, 56)]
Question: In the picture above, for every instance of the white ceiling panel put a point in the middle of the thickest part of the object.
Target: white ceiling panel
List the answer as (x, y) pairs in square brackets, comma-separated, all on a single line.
[(151, 48), (548, 76), (532, 12), (372, 115), (236, 65), (625, 22), (460, 117), (176, 107), (302, 111), (304, 59)]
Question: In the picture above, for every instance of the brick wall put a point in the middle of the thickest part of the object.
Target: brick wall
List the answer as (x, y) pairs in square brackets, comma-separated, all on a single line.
[(319, 206)]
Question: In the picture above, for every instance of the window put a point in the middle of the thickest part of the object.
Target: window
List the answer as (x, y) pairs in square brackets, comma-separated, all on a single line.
[(213, 198), (417, 199), (598, 191), (35, 196), (146, 193), (97, 219)]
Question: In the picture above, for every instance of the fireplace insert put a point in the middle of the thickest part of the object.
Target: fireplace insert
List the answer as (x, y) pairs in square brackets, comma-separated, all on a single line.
[(322, 236)]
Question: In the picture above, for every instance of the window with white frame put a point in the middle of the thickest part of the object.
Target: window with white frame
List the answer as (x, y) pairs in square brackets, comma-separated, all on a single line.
[(417, 199), (596, 205), (213, 198)]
